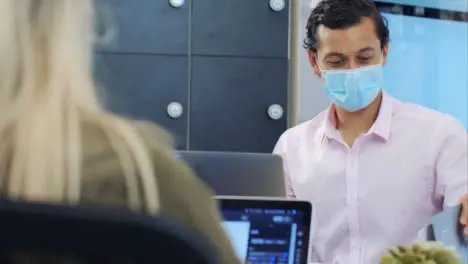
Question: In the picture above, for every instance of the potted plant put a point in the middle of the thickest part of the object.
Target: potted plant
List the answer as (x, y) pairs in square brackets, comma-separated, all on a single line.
[(422, 253)]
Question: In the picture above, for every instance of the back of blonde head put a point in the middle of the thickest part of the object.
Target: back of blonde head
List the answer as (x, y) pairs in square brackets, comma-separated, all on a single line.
[(46, 91)]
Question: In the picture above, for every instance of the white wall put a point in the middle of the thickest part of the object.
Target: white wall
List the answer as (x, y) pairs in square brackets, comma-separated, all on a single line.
[(307, 96)]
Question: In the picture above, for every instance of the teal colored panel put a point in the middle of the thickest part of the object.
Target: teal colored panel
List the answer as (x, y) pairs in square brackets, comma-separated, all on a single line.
[(428, 63)]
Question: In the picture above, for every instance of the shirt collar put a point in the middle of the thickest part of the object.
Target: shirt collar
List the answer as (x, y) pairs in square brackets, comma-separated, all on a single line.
[(330, 130), (381, 126)]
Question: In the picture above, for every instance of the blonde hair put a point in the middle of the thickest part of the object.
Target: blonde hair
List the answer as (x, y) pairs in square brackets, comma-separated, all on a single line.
[(46, 91)]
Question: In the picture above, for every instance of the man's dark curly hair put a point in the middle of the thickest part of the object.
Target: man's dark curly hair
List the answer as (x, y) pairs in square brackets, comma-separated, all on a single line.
[(343, 14)]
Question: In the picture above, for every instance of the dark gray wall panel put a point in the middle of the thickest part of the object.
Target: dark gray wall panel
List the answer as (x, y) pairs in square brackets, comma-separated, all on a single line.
[(141, 87), (147, 26), (239, 27), (229, 102)]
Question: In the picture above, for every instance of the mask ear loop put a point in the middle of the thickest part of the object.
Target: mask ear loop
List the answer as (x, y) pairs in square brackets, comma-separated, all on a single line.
[(382, 58), (317, 61), (319, 67)]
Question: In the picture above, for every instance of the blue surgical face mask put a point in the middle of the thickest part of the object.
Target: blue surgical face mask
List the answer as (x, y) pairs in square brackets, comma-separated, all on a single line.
[(353, 89)]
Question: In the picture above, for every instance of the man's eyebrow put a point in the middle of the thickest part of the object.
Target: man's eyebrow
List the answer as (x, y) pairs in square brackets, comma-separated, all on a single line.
[(339, 54), (365, 49), (331, 54)]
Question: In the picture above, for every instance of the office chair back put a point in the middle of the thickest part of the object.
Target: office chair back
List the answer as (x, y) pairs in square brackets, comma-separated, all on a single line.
[(95, 235)]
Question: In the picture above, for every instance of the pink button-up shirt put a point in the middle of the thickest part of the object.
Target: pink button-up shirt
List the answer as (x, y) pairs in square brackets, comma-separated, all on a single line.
[(383, 190)]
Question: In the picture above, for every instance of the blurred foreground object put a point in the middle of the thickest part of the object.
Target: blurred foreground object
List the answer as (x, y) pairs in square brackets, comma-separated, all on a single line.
[(422, 253)]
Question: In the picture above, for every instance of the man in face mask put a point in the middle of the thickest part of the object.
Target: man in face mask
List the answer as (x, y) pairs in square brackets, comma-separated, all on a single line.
[(375, 168)]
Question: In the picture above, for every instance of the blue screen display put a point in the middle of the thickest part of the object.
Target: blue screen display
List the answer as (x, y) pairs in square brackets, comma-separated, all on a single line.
[(262, 236), (427, 63)]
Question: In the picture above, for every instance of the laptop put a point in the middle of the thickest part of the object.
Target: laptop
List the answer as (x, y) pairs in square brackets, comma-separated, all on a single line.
[(239, 174), (264, 230)]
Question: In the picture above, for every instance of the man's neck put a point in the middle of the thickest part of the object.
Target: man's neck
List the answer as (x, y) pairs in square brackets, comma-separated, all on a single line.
[(358, 122)]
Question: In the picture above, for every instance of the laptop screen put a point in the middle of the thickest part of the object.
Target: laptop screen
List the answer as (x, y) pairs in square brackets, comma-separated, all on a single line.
[(268, 231)]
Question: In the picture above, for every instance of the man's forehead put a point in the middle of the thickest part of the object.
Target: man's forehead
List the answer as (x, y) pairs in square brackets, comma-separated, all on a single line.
[(348, 40)]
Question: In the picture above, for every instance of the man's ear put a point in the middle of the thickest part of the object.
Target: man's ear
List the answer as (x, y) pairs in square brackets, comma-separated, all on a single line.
[(313, 63), (385, 53)]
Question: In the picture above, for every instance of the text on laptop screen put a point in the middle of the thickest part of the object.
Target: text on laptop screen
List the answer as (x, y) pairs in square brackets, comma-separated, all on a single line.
[(267, 235)]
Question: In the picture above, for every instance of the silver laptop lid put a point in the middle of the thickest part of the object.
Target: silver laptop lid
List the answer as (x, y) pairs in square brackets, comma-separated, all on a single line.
[(240, 174)]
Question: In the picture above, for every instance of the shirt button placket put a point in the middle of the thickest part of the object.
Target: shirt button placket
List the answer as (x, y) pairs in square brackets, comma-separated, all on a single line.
[(352, 182)]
